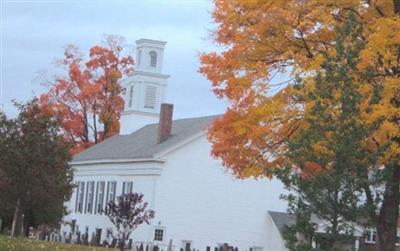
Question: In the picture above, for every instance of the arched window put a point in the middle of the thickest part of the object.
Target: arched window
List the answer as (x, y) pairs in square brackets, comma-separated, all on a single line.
[(139, 56), (153, 58)]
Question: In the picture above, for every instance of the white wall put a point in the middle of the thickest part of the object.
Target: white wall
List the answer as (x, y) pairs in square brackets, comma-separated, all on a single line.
[(194, 199), (275, 242), (198, 200), (132, 121), (143, 176)]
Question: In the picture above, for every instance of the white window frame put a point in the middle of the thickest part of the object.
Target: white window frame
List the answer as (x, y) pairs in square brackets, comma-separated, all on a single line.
[(89, 197), (111, 191), (153, 59), (80, 197), (370, 235), (100, 192), (162, 229), (127, 187)]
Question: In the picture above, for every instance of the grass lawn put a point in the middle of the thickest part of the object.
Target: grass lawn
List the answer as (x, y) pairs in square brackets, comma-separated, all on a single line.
[(24, 244)]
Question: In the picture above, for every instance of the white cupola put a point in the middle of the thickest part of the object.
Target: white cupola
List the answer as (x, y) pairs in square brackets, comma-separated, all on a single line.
[(145, 88)]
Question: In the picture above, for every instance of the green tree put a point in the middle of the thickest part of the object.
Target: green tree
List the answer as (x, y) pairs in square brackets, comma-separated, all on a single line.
[(329, 152), (35, 177)]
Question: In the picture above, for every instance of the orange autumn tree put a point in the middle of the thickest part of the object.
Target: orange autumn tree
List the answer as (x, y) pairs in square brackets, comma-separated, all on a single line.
[(263, 38), (88, 99)]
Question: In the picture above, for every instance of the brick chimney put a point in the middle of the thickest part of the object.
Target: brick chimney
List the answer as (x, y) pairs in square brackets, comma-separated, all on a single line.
[(165, 124)]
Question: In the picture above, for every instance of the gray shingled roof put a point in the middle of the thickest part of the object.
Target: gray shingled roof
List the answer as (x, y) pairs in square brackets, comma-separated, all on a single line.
[(281, 220), (142, 144)]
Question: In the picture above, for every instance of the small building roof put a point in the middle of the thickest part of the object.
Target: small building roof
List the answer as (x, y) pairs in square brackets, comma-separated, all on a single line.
[(142, 144), (281, 220)]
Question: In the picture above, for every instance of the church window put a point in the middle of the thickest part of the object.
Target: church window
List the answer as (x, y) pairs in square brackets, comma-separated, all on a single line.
[(89, 197), (150, 96), (159, 234), (111, 188), (127, 187), (131, 96), (100, 196), (153, 58), (79, 197)]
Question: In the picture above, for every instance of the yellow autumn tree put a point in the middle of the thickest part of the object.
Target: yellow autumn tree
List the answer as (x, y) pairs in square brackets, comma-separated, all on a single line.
[(266, 38)]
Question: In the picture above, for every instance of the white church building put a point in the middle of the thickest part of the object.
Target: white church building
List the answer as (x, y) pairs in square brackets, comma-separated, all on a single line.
[(197, 202)]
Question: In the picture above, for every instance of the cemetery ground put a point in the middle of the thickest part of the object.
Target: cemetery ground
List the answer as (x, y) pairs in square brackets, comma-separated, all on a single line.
[(24, 244)]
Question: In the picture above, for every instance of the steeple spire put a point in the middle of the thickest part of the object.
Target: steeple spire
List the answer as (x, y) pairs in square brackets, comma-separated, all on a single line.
[(146, 88)]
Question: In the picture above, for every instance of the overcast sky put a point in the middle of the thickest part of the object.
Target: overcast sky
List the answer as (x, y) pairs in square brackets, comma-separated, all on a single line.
[(34, 34)]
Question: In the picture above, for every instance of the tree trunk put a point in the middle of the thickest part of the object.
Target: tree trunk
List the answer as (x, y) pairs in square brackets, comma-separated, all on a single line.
[(26, 229), (95, 126), (16, 224), (389, 213), (121, 244)]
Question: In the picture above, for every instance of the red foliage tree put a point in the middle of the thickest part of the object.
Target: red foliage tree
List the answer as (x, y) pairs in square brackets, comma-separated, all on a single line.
[(88, 100)]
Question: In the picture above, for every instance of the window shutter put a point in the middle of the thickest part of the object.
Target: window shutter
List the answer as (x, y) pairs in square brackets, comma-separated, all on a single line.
[(130, 186), (101, 199), (97, 197), (86, 200), (81, 197), (77, 196), (114, 191), (150, 96), (153, 58), (108, 190), (131, 96)]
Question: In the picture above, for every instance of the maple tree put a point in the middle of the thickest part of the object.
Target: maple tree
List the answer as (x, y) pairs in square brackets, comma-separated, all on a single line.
[(263, 39), (88, 100)]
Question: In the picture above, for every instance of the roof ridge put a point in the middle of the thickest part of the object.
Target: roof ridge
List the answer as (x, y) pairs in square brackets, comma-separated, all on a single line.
[(272, 211), (181, 119)]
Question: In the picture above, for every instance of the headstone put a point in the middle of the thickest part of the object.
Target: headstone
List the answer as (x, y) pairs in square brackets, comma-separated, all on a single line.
[(169, 245), (113, 243), (98, 237)]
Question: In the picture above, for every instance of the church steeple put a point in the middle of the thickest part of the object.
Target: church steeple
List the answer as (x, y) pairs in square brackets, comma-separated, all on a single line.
[(146, 88)]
